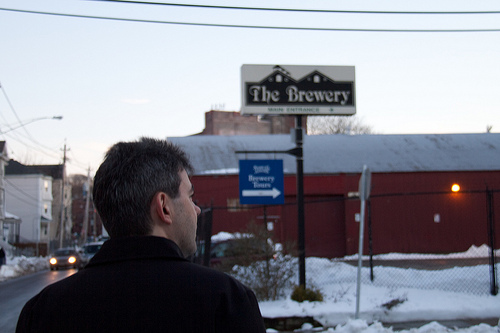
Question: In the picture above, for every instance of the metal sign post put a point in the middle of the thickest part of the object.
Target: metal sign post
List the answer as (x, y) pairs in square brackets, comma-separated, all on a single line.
[(283, 90), (364, 194), (300, 202), (298, 153)]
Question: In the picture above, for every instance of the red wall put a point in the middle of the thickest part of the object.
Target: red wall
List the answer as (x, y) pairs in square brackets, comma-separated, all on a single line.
[(402, 209)]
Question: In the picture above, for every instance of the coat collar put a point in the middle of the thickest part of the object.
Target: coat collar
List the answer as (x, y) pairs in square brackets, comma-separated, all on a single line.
[(136, 248)]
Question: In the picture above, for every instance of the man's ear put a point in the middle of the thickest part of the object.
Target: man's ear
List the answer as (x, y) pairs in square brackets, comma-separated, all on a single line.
[(161, 203)]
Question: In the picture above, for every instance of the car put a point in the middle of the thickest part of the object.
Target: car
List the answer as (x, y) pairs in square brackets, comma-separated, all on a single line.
[(224, 254), (219, 251), (65, 258), (89, 250)]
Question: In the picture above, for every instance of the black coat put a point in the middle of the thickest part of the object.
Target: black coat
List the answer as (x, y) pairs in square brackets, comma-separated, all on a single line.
[(142, 284)]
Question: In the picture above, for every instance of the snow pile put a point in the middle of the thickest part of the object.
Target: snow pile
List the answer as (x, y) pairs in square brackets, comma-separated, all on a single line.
[(436, 296), (482, 251), (18, 266), (361, 326), (386, 305)]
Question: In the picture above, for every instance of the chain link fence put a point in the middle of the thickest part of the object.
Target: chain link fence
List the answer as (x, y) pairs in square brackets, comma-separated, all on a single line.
[(472, 271)]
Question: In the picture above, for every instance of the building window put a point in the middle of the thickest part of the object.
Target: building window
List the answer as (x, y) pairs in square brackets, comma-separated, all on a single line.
[(46, 185), (46, 208)]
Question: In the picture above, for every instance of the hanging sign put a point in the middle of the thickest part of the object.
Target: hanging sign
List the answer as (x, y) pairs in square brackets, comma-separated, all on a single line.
[(307, 90), (261, 182)]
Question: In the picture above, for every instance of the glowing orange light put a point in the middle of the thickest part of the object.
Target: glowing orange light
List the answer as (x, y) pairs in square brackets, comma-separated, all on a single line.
[(455, 188)]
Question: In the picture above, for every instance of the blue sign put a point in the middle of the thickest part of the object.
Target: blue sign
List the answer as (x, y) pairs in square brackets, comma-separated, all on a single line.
[(261, 182)]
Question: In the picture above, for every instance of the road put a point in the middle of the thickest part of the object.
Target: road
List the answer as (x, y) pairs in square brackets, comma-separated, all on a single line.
[(16, 292)]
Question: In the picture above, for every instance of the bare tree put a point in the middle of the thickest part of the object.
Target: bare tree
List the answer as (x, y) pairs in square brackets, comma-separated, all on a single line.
[(337, 125)]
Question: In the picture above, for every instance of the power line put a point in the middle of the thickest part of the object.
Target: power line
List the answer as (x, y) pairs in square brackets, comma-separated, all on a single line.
[(12, 108), (77, 164), (28, 135), (21, 191), (50, 152), (32, 140), (218, 25), (304, 10)]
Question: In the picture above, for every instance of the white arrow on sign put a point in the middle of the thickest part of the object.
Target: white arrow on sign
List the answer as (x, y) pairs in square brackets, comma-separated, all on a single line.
[(261, 193)]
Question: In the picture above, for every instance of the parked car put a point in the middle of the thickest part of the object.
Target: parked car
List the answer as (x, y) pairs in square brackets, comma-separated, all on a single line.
[(236, 251), (65, 258), (89, 250)]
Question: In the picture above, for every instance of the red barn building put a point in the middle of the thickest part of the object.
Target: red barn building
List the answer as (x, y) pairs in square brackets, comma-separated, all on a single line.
[(411, 208)]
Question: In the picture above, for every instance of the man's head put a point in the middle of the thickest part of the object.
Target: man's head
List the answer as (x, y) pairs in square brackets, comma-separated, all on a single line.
[(135, 175)]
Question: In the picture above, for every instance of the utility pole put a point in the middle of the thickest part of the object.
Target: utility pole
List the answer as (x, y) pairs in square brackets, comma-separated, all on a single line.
[(61, 222), (86, 213)]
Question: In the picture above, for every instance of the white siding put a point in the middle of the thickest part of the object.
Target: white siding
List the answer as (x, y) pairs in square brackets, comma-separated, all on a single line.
[(26, 196)]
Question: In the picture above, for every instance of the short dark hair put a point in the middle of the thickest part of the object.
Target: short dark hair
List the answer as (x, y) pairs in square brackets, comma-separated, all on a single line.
[(126, 182)]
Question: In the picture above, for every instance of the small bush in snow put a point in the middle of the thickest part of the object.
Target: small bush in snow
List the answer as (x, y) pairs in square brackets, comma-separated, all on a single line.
[(268, 271), (301, 294), (394, 302)]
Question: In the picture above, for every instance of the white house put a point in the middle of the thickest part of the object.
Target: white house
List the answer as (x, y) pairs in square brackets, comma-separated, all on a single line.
[(50, 208), (30, 198), (9, 223), (3, 161)]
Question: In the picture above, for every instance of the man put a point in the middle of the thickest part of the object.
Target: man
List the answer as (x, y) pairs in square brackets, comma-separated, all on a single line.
[(3, 260), (140, 281)]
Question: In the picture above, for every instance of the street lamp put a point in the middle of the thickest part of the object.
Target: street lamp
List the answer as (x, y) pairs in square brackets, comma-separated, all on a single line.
[(455, 188), (29, 122)]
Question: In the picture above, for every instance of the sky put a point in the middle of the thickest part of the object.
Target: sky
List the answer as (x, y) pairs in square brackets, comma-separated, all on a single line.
[(115, 80), (426, 305)]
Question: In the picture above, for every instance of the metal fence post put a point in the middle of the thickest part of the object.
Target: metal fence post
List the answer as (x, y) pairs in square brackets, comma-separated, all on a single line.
[(491, 238), (207, 235)]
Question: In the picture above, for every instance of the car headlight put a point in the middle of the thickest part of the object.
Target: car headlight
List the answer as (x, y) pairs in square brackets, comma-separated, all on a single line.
[(53, 261), (71, 260)]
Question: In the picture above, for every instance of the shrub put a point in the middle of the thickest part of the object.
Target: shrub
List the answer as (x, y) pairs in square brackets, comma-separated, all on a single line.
[(301, 294), (268, 271)]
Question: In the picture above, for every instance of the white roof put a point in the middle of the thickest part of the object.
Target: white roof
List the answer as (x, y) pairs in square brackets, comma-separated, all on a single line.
[(10, 216), (331, 154)]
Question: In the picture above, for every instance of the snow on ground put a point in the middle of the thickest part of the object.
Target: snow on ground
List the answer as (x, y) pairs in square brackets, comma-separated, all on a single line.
[(337, 311), (361, 326), (435, 299), (18, 266)]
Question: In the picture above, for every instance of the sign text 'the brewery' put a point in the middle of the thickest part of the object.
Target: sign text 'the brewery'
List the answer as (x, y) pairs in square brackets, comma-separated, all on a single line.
[(316, 92)]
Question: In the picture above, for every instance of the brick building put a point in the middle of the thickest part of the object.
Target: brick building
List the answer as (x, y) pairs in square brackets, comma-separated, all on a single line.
[(93, 227), (233, 123)]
